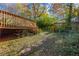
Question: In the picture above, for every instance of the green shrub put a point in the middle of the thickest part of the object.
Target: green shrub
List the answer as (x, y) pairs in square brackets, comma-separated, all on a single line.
[(45, 22)]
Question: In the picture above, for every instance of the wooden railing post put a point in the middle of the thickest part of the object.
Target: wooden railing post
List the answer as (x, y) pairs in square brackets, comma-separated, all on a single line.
[(4, 22), (1, 19)]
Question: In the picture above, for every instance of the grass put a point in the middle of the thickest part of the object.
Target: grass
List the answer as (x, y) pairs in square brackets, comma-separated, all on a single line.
[(58, 44), (47, 44), (12, 47)]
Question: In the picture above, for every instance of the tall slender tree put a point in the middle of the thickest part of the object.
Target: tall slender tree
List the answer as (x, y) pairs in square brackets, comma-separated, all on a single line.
[(68, 20)]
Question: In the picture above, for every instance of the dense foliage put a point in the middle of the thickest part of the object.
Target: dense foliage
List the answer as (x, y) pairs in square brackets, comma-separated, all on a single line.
[(46, 23)]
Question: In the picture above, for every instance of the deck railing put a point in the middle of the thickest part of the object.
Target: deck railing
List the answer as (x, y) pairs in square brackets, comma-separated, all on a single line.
[(12, 21)]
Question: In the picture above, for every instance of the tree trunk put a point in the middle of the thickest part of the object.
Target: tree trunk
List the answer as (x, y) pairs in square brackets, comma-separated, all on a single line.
[(69, 17)]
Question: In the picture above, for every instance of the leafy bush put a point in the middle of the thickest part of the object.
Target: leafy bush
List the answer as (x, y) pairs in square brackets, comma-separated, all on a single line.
[(45, 22), (61, 28)]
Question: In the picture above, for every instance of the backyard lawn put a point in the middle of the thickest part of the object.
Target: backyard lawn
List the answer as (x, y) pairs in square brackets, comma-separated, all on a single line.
[(14, 46), (42, 44)]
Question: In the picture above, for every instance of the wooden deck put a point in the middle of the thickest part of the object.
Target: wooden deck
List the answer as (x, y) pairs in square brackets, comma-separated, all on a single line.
[(14, 22)]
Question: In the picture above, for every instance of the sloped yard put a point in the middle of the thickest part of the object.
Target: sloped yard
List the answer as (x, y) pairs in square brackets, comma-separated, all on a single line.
[(13, 47), (57, 44), (42, 44)]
